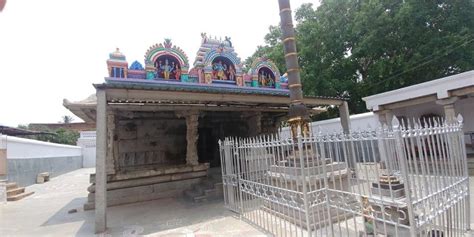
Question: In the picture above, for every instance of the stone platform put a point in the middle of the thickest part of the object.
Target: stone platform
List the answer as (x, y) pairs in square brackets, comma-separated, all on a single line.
[(317, 174), (146, 185)]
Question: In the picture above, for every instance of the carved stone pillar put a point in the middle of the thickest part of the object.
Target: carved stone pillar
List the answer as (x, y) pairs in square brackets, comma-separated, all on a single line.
[(192, 121), (254, 121), (345, 117), (111, 146), (385, 117), (448, 106), (101, 173)]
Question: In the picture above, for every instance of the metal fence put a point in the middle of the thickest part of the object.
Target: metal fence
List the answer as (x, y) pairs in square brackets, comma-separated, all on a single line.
[(407, 180)]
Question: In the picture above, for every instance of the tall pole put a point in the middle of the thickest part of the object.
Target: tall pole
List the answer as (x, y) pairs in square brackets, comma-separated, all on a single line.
[(298, 114)]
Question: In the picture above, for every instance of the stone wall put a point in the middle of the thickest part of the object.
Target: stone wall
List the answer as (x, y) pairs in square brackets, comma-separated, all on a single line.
[(27, 158), (24, 171), (150, 142)]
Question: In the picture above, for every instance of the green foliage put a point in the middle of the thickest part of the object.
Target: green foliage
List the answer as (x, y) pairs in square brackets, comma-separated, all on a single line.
[(66, 136), (272, 49), (355, 49), (60, 135)]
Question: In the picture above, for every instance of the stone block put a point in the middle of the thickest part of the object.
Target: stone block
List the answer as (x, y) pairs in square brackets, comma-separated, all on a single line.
[(190, 175), (42, 177), (133, 182), (144, 193), (201, 167), (179, 169)]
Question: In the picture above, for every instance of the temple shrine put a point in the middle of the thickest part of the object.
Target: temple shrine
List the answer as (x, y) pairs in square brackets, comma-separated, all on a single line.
[(159, 123)]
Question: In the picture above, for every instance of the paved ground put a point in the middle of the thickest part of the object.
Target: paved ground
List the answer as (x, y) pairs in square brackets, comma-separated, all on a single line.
[(46, 214)]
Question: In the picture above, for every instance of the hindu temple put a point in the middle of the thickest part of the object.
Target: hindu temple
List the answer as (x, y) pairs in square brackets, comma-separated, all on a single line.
[(159, 123)]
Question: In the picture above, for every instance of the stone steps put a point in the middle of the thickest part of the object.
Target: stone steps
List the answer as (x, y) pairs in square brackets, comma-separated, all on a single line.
[(19, 196), (11, 186), (470, 165), (15, 193), (208, 189)]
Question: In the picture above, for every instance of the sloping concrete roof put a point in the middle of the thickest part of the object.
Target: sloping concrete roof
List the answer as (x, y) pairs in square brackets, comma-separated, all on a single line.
[(168, 95), (440, 88)]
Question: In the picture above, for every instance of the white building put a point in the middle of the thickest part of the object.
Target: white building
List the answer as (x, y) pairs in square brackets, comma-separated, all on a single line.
[(444, 97)]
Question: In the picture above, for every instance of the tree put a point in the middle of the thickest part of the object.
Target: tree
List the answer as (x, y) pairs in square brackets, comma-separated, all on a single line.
[(355, 49), (67, 119), (60, 135), (272, 49)]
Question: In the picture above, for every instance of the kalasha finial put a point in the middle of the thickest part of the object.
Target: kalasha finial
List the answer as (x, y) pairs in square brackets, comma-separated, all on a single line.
[(168, 43), (117, 54)]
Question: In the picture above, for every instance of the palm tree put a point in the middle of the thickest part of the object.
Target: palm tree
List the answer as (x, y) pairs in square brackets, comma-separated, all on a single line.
[(67, 119), (298, 114)]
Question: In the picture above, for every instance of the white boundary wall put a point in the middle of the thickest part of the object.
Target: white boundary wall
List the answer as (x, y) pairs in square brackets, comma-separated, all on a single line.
[(87, 142), (26, 158), (22, 148)]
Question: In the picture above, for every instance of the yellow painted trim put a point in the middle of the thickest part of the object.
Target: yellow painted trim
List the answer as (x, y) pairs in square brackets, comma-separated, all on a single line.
[(288, 39), (294, 85)]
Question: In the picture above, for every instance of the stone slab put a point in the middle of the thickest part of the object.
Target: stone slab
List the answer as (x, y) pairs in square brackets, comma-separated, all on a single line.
[(144, 193)]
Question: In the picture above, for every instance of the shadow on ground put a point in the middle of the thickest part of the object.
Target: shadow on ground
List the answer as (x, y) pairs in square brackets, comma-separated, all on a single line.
[(175, 217)]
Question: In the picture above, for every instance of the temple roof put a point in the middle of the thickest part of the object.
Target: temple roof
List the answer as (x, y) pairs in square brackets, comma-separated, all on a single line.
[(189, 87), (162, 96), (136, 66)]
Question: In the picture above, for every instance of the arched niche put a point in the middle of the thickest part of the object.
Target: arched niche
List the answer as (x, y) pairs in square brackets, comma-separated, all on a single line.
[(223, 69), (266, 77), (264, 73), (167, 67)]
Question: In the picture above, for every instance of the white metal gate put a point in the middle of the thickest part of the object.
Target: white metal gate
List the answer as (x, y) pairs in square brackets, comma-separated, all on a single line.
[(409, 180)]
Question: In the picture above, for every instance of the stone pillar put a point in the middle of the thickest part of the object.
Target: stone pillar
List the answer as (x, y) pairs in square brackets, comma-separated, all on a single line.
[(101, 154), (192, 121), (345, 117), (111, 148), (346, 127), (448, 106), (254, 121), (385, 117)]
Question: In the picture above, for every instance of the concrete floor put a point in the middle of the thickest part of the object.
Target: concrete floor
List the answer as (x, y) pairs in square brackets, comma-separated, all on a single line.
[(46, 214)]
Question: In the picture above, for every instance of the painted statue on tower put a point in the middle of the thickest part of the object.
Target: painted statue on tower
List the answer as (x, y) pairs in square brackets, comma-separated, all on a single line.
[(166, 68), (177, 72), (219, 70), (231, 73)]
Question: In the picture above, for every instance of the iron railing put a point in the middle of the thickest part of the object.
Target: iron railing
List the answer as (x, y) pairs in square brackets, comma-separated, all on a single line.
[(409, 179)]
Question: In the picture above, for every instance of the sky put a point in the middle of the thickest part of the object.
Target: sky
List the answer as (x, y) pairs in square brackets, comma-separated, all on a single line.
[(56, 49)]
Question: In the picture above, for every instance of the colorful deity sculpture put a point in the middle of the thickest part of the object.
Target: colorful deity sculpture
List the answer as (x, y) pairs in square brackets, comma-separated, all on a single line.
[(216, 63), (166, 68), (219, 70), (218, 60), (177, 72), (156, 66), (264, 73), (231, 73)]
